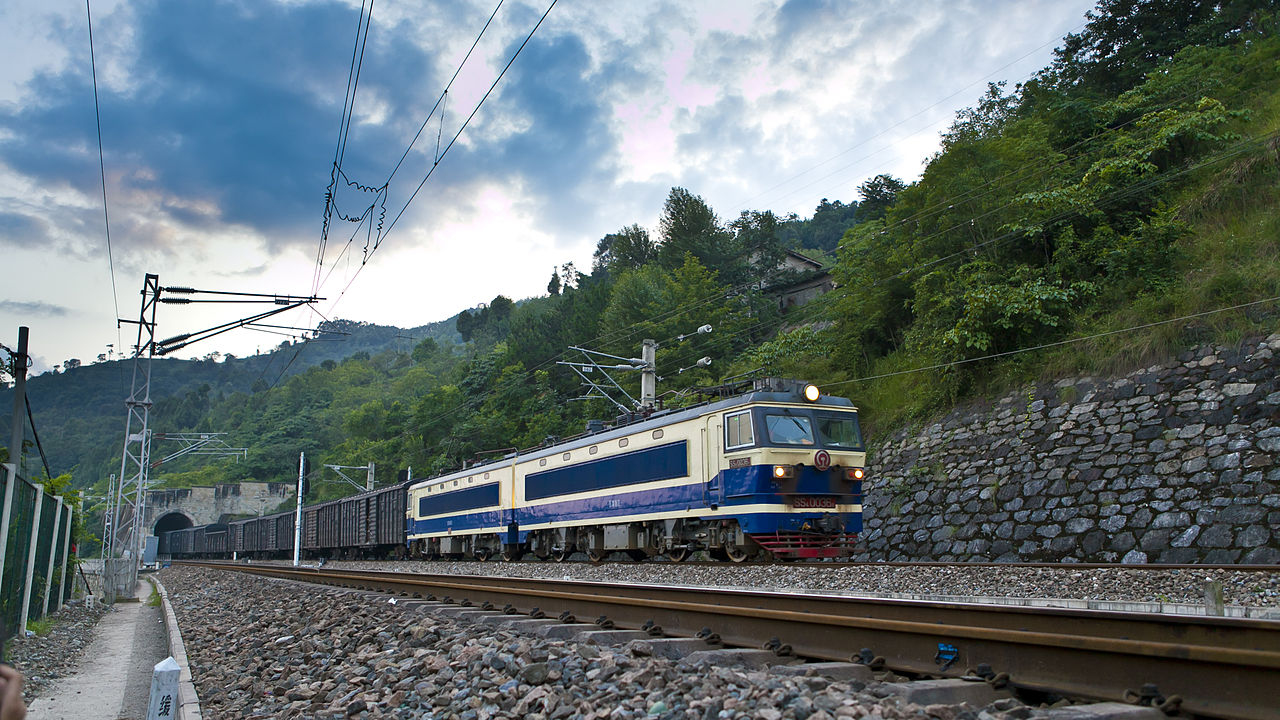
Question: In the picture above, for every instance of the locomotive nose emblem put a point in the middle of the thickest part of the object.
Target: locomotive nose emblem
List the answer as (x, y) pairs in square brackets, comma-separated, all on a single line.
[(822, 460)]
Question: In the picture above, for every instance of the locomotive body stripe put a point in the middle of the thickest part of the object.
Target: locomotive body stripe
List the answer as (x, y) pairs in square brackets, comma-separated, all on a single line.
[(664, 462), (762, 518)]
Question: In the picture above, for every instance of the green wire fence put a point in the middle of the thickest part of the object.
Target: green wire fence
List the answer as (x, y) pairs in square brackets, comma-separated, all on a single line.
[(34, 552)]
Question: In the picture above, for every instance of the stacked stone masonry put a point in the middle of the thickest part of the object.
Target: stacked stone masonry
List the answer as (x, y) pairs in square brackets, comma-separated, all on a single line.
[(1172, 464)]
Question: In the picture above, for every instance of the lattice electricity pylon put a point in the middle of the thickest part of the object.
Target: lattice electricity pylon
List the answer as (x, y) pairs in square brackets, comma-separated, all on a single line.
[(125, 537)]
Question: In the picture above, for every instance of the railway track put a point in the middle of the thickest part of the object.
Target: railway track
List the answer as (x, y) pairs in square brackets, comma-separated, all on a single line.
[(1152, 567), (1210, 667)]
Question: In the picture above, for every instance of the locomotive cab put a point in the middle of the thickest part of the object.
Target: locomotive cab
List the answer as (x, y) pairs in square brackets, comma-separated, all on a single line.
[(800, 454)]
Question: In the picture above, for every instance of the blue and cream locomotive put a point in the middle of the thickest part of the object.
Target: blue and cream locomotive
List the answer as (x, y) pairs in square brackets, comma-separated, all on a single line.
[(774, 472)]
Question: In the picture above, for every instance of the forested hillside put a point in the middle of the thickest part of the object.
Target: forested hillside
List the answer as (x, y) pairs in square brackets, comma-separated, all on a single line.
[(80, 415), (1134, 182)]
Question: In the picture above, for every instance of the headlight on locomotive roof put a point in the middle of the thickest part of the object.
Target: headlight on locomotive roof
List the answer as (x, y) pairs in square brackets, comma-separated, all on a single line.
[(854, 473), (811, 393), (782, 472)]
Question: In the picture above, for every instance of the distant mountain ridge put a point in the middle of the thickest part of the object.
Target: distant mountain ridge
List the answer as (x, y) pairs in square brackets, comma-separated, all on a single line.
[(79, 413)]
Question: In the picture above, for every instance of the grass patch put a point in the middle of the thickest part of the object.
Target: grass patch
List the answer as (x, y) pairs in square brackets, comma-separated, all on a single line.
[(42, 626), (154, 599)]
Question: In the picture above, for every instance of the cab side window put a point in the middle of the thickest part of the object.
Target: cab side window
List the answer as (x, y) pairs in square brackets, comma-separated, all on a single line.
[(738, 431)]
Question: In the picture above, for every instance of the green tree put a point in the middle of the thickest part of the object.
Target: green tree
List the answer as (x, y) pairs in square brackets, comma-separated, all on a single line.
[(877, 195), (689, 226), (629, 248), (1125, 40)]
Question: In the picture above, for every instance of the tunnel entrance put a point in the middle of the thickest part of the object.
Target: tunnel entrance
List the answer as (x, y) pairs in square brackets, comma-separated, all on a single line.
[(168, 522)]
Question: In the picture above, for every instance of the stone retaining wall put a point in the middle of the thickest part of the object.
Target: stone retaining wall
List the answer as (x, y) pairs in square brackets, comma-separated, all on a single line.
[(1174, 463)]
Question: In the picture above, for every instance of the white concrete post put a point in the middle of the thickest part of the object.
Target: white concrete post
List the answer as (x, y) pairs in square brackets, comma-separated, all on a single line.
[(164, 690), (31, 560), (53, 555), (66, 556), (297, 522)]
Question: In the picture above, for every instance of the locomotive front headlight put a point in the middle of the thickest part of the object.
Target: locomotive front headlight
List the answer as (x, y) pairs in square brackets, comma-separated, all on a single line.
[(854, 473), (782, 472), (811, 393)]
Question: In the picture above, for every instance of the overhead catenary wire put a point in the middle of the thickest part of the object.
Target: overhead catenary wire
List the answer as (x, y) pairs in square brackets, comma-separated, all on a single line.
[(386, 184), (344, 127), (383, 235), (318, 282), (1058, 343), (102, 174)]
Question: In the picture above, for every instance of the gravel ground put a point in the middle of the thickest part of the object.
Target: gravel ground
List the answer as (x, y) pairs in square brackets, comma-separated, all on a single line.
[(45, 658), (1258, 589), (262, 648)]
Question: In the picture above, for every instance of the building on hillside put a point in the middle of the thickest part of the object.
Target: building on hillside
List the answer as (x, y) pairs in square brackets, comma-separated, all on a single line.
[(800, 281)]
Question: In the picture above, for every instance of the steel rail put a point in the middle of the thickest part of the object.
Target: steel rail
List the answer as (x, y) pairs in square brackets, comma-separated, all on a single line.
[(847, 564), (1218, 667)]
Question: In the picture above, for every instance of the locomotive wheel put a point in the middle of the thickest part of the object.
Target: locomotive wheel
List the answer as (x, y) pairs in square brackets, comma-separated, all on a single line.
[(736, 553), (512, 554), (596, 556), (678, 554), (483, 554), (562, 554)]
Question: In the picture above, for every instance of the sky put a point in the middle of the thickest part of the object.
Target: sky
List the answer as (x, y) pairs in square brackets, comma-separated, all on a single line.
[(221, 124)]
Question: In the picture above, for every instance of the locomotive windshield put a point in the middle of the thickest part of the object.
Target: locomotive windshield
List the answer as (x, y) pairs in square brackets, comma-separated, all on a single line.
[(794, 427), (789, 429), (840, 431)]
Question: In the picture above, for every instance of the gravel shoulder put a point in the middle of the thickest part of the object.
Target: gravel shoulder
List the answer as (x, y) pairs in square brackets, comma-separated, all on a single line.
[(1245, 588), (270, 648), (45, 659)]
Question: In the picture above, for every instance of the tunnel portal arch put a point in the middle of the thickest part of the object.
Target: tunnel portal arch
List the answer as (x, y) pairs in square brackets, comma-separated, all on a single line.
[(173, 520)]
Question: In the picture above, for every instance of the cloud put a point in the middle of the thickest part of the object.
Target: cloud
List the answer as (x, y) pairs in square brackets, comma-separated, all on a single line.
[(21, 230), (221, 114), (220, 120), (41, 309)]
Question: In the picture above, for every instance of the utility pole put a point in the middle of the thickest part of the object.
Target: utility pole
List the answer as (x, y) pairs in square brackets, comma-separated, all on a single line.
[(15, 442), (297, 519), (19, 400), (647, 364), (368, 482), (648, 374)]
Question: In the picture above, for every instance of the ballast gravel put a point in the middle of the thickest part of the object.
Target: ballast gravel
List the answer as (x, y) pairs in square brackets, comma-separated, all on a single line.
[(1239, 587), (44, 659), (266, 648)]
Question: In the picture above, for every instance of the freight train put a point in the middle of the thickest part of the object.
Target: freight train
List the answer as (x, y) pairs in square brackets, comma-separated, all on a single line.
[(773, 472)]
